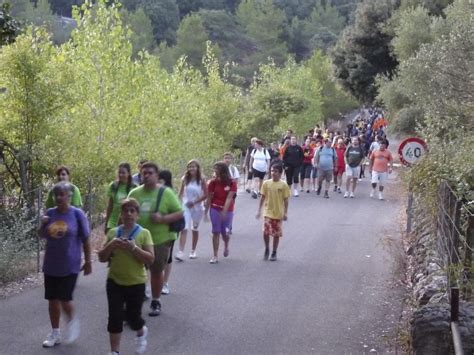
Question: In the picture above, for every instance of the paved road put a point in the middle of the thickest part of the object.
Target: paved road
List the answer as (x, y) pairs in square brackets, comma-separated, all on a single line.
[(327, 294)]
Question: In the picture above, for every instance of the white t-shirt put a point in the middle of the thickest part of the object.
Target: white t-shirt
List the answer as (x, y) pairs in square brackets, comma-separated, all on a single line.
[(192, 192), (234, 172), (374, 146), (260, 158)]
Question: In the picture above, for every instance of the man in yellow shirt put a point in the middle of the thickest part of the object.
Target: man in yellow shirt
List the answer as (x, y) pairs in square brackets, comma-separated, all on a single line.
[(275, 194)]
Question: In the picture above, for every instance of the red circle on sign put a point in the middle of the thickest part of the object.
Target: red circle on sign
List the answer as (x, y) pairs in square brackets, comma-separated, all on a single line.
[(415, 140)]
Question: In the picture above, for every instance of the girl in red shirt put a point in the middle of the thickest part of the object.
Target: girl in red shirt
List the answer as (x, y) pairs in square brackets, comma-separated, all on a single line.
[(307, 167), (220, 204), (340, 167)]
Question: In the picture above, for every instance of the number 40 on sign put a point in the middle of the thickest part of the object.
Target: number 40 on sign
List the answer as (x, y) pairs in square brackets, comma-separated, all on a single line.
[(411, 150)]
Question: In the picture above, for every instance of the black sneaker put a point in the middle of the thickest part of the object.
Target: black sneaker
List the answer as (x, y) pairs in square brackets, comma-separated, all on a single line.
[(155, 307), (254, 194), (326, 195), (248, 190), (335, 188), (318, 191), (266, 255), (274, 256)]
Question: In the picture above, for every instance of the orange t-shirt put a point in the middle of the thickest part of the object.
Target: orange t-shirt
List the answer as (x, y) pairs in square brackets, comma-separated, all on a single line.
[(381, 160)]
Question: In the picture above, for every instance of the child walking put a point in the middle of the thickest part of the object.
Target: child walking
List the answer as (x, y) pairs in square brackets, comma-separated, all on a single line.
[(275, 194)]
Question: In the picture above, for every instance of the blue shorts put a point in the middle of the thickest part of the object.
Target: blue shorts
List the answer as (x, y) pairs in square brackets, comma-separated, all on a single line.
[(220, 225)]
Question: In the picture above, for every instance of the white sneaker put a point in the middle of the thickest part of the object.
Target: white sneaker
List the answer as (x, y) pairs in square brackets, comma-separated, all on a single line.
[(346, 194), (372, 193), (192, 255), (352, 195), (141, 342), (165, 290), (73, 329), (295, 193), (51, 340), (380, 196), (179, 256)]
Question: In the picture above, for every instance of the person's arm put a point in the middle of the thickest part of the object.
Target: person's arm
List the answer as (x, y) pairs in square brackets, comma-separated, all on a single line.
[(228, 201), (251, 162), (108, 212), (181, 190), (107, 250), (260, 205), (247, 159), (202, 198), (285, 202), (76, 200), (390, 163), (86, 247), (145, 254), (371, 162)]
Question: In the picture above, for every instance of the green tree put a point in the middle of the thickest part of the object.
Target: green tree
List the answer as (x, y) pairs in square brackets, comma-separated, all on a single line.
[(191, 40), (164, 16), (434, 7), (142, 30), (9, 27), (364, 50)]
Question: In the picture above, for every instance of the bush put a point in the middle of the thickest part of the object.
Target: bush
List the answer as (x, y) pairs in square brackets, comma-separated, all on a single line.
[(17, 244)]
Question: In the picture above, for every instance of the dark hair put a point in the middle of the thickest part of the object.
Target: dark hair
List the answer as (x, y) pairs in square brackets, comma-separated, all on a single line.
[(226, 154), (127, 167), (187, 176), (142, 161), (166, 176), (62, 168), (63, 186), (130, 202), (277, 166), (150, 164), (222, 171)]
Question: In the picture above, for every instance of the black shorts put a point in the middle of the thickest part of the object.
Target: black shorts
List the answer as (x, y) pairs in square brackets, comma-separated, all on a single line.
[(59, 287), (259, 174)]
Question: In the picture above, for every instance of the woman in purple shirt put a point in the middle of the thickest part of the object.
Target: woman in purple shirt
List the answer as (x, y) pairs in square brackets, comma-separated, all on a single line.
[(66, 231)]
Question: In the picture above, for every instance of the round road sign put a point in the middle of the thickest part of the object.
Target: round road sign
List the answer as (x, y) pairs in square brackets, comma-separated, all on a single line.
[(411, 150)]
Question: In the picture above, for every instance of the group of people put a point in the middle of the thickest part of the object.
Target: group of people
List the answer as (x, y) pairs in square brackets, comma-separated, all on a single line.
[(324, 157), (144, 218)]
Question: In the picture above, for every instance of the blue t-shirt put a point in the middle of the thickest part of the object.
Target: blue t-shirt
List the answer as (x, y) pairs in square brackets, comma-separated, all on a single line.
[(326, 158), (64, 233)]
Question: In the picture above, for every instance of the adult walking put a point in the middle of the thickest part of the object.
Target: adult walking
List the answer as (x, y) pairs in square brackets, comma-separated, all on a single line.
[(325, 160), (292, 160), (220, 206), (193, 193), (127, 249), (247, 166), (353, 157), (117, 192), (157, 218), (66, 231), (64, 174), (381, 162), (259, 163)]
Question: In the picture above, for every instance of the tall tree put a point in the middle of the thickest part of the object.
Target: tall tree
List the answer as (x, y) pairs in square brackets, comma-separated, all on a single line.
[(142, 30), (191, 40), (9, 27), (364, 50)]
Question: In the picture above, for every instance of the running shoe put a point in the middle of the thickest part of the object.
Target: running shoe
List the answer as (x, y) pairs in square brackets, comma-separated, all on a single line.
[(51, 340), (335, 188), (274, 256), (307, 191), (141, 342), (193, 254), (380, 195), (213, 260), (352, 195), (326, 195), (179, 256), (155, 308), (73, 329), (372, 193), (254, 194), (165, 290), (318, 191), (248, 190), (339, 190), (346, 194), (295, 192), (266, 254)]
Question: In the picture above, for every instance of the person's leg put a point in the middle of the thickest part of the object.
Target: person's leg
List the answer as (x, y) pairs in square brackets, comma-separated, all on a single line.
[(289, 175), (156, 269), (195, 239), (54, 309), (276, 241), (224, 231), (134, 302), (182, 239), (115, 301), (215, 243), (68, 309), (156, 280), (115, 341), (328, 181), (167, 273)]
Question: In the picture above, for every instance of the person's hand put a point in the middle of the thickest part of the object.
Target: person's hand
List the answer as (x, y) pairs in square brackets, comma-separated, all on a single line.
[(157, 217), (87, 268), (189, 204), (130, 245), (223, 214), (44, 219), (285, 217)]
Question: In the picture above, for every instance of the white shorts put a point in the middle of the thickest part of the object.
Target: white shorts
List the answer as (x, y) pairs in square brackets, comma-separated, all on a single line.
[(193, 218), (352, 172), (379, 178)]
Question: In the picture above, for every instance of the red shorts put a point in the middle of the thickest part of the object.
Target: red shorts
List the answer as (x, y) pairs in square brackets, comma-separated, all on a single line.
[(272, 227), (339, 170)]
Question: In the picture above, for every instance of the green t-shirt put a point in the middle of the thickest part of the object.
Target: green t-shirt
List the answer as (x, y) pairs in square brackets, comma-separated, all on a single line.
[(118, 195), (125, 269), (170, 203), (76, 199)]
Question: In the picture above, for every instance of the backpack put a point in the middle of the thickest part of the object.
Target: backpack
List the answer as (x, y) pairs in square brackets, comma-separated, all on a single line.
[(176, 226)]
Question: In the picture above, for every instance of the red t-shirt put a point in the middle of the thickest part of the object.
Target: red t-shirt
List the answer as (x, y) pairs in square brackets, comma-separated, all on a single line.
[(308, 154), (340, 156), (220, 192)]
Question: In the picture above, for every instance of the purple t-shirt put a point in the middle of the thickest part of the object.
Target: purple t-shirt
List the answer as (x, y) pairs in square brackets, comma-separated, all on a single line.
[(64, 233)]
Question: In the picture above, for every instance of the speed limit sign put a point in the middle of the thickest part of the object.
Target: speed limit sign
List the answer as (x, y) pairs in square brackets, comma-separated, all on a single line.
[(411, 150)]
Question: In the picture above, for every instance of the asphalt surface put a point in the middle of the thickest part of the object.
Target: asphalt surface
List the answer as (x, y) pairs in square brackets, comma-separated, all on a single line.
[(328, 293)]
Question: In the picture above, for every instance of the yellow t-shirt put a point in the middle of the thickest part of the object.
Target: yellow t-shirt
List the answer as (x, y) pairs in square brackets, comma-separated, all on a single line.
[(275, 192)]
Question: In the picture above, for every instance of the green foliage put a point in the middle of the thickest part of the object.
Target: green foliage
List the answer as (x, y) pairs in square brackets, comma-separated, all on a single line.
[(364, 51), (435, 7), (9, 27), (17, 244), (142, 30), (191, 40)]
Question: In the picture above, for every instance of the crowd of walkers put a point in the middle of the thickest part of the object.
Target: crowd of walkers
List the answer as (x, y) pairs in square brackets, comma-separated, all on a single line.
[(145, 216)]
